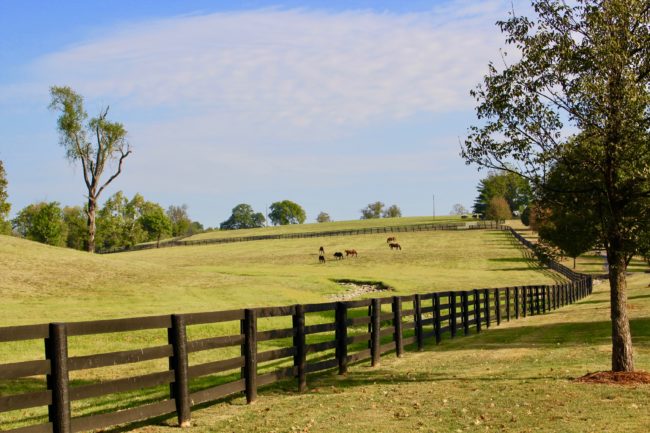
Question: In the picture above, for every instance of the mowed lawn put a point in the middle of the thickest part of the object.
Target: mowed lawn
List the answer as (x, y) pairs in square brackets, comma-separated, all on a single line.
[(517, 377), (44, 284)]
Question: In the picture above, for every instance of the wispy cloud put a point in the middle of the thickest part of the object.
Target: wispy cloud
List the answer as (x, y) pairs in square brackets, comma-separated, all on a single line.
[(299, 67)]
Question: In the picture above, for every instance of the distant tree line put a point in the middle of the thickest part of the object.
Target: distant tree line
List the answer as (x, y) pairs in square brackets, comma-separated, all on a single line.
[(379, 210), (119, 223)]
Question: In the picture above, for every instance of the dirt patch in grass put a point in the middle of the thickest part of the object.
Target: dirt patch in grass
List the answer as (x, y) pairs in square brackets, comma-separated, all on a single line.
[(616, 377), (355, 288)]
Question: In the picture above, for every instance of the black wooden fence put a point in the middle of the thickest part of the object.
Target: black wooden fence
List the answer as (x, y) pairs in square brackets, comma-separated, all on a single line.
[(178, 242), (355, 331)]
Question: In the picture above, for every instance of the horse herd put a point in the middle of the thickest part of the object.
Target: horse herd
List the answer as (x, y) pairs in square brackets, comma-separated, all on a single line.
[(391, 241)]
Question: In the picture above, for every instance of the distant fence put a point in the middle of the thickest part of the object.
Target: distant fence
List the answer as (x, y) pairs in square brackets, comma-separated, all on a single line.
[(353, 331), (177, 242)]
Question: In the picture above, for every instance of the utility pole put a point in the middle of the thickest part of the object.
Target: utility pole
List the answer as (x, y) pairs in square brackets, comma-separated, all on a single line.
[(434, 206)]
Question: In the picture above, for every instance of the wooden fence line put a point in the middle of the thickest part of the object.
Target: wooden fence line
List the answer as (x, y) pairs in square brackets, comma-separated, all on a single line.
[(476, 225), (361, 330)]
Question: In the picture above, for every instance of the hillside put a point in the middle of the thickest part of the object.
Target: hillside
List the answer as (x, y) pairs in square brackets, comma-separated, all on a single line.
[(41, 283)]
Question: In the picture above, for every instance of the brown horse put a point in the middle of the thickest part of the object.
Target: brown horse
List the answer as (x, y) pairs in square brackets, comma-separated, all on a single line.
[(391, 239), (395, 246), (321, 259), (352, 253), (338, 255), (321, 251)]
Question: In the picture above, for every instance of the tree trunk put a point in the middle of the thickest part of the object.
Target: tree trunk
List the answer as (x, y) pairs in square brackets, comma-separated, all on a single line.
[(92, 207), (622, 358)]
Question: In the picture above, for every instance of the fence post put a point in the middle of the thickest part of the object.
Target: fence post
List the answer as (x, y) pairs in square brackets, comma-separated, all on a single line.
[(452, 314), (56, 351), (516, 302), (486, 304), (299, 343), (342, 336), (465, 311), (250, 354), (477, 310), (524, 300), (397, 323), (177, 337), (497, 305), (419, 334), (375, 340), (436, 317)]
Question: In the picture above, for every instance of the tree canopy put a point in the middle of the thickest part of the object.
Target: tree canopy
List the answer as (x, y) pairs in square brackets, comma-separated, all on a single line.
[(5, 207), (41, 222), (514, 188), (323, 217), (498, 210), (286, 212), (392, 211), (243, 217), (576, 99), (96, 143)]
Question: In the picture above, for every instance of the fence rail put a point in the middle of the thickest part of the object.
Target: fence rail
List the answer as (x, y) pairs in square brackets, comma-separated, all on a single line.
[(474, 225), (354, 331)]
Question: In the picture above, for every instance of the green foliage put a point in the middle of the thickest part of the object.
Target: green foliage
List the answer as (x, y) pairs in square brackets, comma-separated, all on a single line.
[(577, 97), (179, 219), (41, 222), (323, 217), (118, 222), (286, 212), (525, 216), (514, 188), (75, 220), (392, 212), (154, 221), (373, 210), (5, 207), (243, 217), (498, 209), (75, 132)]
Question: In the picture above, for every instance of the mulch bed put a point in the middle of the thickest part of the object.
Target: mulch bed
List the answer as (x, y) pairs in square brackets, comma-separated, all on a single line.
[(616, 377)]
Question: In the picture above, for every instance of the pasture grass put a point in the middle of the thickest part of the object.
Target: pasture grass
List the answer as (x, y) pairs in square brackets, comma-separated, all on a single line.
[(517, 377)]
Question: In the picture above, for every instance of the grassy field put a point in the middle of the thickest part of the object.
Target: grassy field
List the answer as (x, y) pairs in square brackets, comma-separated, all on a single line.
[(42, 284), (514, 378)]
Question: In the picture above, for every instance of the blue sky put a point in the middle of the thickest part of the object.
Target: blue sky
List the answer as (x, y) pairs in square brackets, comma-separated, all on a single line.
[(330, 104)]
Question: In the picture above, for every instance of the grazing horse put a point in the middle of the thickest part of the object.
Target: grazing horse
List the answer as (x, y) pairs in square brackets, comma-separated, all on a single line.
[(391, 239), (321, 251), (321, 259), (338, 255), (352, 253), (395, 246)]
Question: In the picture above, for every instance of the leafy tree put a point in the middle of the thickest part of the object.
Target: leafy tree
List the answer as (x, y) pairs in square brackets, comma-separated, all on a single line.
[(570, 233), (195, 227), (180, 220), (498, 210), (155, 222), (373, 210), (458, 209), (5, 207), (286, 212), (75, 132), (392, 212), (525, 216), (578, 97), (41, 222), (243, 217), (118, 222), (515, 189), (323, 217), (74, 219)]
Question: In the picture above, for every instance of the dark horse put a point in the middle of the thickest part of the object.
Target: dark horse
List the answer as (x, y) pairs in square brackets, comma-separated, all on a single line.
[(321, 251), (321, 259), (391, 239), (338, 255), (352, 253), (395, 246)]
